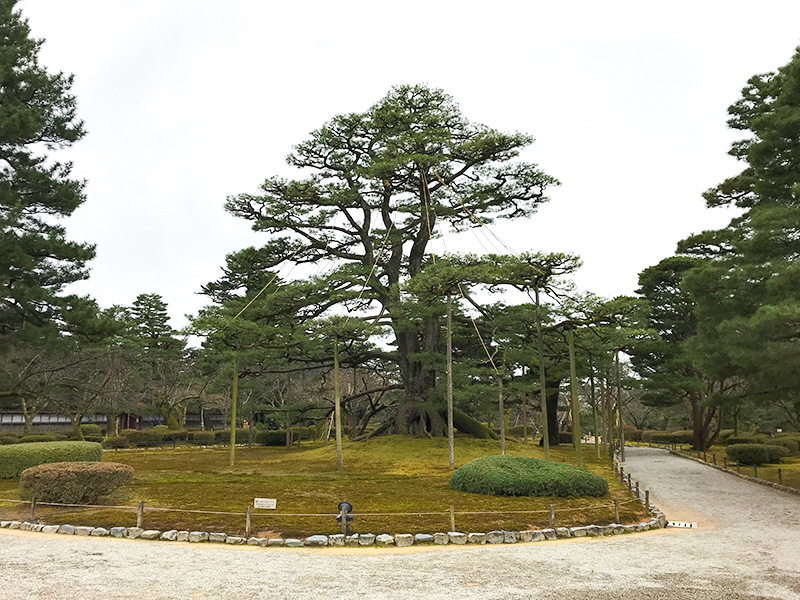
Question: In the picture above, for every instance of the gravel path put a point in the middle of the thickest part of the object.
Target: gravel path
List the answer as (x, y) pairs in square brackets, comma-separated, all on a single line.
[(747, 546)]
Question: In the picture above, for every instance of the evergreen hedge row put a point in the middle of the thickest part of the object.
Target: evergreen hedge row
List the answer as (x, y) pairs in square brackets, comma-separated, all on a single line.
[(15, 458)]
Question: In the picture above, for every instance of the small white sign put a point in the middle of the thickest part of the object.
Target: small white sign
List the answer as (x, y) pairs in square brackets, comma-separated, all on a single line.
[(270, 503)]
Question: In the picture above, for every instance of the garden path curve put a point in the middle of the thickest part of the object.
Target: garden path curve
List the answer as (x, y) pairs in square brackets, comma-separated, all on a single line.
[(747, 547)]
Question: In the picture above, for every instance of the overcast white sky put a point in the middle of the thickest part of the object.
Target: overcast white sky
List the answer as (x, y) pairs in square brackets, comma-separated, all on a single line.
[(187, 102)]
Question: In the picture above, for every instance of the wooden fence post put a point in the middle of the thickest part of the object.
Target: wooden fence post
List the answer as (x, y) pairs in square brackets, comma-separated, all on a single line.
[(714, 458), (247, 524), (552, 516), (140, 514), (647, 499), (630, 483), (780, 476), (755, 471), (452, 518), (616, 510), (725, 462), (33, 510)]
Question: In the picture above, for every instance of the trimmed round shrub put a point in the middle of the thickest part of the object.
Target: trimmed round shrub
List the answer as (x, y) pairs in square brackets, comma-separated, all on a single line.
[(745, 439), (724, 434), (8, 439), (523, 476), (632, 434), (790, 444), (204, 438), (116, 442), (144, 438), (684, 436), (38, 437), (756, 454), (15, 458), (91, 429), (647, 434), (224, 435), (660, 437), (271, 437), (73, 482)]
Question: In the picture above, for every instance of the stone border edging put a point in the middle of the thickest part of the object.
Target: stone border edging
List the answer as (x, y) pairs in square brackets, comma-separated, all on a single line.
[(365, 539), (772, 484)]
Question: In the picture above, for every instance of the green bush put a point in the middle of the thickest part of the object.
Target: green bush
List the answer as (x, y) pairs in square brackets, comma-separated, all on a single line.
[(756, 454), (61, 437), (8, 439), (745, 439), (91, 429), (516, 431), (789, 443), (724, 434), (271, 437), (647, 434), (523, 476), (684, 436), (224, 435), (144, 438), (14, 459), (116, 442), (73, 483), (175, 435), (38, 437), (632, 434), (204, 438)]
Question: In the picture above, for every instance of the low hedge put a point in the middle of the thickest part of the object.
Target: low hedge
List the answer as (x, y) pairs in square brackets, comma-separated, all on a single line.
[(204, 438), (224, 435), (756, 454), (524, 476), (647, 434), (632, 434), (73, 482), (116, 442), (144, 438), (685, 436), (39, 437), (14, 459), (271, 437), (91, 429), (8, 439), (789, 443)]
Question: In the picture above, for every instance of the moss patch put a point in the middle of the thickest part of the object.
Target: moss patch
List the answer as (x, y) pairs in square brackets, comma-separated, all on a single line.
[(393, 474)]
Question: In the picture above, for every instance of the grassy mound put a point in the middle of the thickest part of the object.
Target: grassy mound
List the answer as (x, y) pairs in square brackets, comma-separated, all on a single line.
[(523, 476)]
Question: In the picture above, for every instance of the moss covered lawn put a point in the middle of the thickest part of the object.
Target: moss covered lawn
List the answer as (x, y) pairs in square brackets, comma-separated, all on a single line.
[(392, 474)]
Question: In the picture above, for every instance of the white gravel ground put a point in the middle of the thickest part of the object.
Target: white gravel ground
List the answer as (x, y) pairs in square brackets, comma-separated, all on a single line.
[(747, 546)]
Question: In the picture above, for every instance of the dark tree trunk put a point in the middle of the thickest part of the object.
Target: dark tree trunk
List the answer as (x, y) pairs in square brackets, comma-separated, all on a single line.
[(553, 388)]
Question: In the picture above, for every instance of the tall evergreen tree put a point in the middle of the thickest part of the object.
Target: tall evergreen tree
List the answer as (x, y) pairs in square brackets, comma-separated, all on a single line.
[(37, 116)]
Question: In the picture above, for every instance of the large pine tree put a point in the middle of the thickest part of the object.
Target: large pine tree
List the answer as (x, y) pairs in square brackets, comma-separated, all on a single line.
[(37, 117)]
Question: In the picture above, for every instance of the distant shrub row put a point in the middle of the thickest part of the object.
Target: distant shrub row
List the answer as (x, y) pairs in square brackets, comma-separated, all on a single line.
[(14, 459)]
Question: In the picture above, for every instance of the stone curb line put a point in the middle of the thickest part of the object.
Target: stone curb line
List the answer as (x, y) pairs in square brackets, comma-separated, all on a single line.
[(365, 539), (771, 484)]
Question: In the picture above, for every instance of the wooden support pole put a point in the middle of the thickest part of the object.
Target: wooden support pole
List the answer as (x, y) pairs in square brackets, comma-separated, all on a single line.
[(452, 518), (725, 462), (755, 471), (573, 387), (247, 524), (337, 404), (637, 489), (502, 411), (780, 476), (616, 510), (542, 385), (450, 440), (630, 483), (619, 409), (140, 515), (33, 509), (552, 516), (647, 499), (234, 391)]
